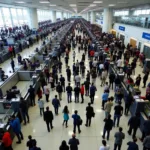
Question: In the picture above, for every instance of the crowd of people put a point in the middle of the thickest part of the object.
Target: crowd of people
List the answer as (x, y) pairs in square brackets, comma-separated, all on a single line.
[(98, 70)]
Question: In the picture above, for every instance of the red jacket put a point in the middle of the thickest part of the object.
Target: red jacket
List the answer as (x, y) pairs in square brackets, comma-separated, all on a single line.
[(82, 90), (92, 53), (7, 141)]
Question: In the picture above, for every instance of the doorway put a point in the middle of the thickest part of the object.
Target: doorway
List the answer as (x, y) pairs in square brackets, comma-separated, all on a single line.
[(146, 51), (122, 38), (133, 42)]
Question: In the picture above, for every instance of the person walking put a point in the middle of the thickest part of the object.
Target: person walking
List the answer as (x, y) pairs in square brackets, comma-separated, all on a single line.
[(66, 116), (24, 110), (146, 142), (119, 136), (82, 93), (56, 104), (104, 98), (132, 145), (41, 105), (62, 82), (48, 118), (128, 101), (76, 94), (111, 79), (134, 124), (68, 71), (31, 92), (12, 63), (16, 126), (77, 80), (69, 93), (145, 78), (146, 128), (92, 92), (108, 105), (46, 92), (76, 121), (89, 114), (64, 146), (59, 89), (104, 146), (73, 142), (107, 127), (35, 147), (6, 141), (87, 87), (30, 142), (118, 113)]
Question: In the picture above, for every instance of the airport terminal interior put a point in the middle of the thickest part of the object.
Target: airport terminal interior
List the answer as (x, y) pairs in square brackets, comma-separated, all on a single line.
[(101, 47)]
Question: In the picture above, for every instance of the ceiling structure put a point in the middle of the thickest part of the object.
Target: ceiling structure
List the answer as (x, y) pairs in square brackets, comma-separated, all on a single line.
[(76, 6)]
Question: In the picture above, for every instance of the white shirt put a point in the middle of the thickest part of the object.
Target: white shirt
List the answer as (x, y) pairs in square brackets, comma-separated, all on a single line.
[(101, 66), (119, 63), (94, 63), (104, 147), (41, 103), (77, 78), (46, 89)]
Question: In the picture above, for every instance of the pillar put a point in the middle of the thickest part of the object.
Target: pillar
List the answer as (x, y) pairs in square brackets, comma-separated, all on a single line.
[(62, 15), (33, 18), (88, 16), (107, 19), (92, 17), (54, 16)]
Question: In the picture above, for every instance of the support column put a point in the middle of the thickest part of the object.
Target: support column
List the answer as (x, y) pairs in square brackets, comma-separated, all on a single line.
[(62, 15), (107, 19), (33, 18), (92, 17), (54, 16), (88, 16)]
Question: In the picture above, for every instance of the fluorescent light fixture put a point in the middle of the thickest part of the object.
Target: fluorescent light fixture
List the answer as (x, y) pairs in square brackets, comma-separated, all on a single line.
[(98, 2), (92, 5), (111, 5), (19, 2), (122, 2), (52, 5), (73, 5), (44, 2)]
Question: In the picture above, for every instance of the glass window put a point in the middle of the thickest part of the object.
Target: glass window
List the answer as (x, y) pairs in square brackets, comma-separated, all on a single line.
[(143, 12), (25, 16), (14, 16), (7, 17), (1, 20), (20, 16)]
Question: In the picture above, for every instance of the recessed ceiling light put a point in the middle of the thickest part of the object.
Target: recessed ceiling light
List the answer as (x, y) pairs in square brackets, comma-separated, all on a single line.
[(97, 2), (111, 5), (73, 5), (44, 2), (92, 5), (52, 5), (19, 2)]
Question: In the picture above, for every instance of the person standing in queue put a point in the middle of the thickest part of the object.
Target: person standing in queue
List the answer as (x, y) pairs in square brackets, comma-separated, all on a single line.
[(62, 81), (64, 146), (46, 92), (73, 142), (69, 93), (30, 142), (48, 118), (16, 126), (59, 89), (87, 87), (76, 93), (6, 141), (24, 110), (31, 92), (76, 121), (92, 92), (12, 63), (68, 71), (89, 114), (56, 104), (82, 93)]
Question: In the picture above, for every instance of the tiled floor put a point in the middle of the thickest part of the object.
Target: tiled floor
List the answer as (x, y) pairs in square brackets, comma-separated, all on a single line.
[(90, 138)]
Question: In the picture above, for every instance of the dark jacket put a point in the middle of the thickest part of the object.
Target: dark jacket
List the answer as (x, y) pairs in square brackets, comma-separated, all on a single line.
[(68, 72), (87, 84), (92, 90), (48, 116), (69, 89), (134, 122), (111, 77), (23, 106), (146, 126), (73, 144), (76, 90), (59, 89), (64, 147), (89, 111), (108, 124), (56, 103)]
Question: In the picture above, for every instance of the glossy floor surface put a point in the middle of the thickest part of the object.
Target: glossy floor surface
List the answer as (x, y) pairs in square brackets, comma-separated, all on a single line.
[(90, 137)]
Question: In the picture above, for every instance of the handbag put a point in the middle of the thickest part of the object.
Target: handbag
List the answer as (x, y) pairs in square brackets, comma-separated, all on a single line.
[(93, 114), (80, 122)]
